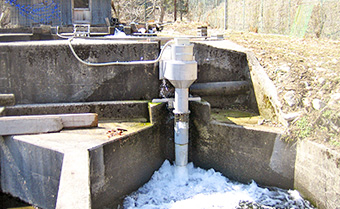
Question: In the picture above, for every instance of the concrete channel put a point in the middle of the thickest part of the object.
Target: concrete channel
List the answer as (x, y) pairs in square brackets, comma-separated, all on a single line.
[(93, 168)]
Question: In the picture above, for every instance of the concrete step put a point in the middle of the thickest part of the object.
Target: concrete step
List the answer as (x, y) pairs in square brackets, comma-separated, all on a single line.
[(7, 99), (116, 110), (13, 125)]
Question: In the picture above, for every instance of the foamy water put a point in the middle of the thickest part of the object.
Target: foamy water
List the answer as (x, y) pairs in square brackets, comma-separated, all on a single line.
[(207, 189)]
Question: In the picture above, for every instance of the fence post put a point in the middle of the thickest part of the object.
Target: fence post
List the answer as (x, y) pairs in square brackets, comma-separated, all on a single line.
[(225, 14), (244, 14), (289, 14), (261, 18)]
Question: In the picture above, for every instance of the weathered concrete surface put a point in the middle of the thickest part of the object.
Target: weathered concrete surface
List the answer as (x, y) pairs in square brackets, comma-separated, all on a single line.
[(73, 178), (219, 62), (115, 110), (114, 167), (95, 170), (240, 153), (30, 172), (243, 65), (121, 167), (74, 187), (7, 99), (47, 72), (317, 174), (29, 125), (33, 124)]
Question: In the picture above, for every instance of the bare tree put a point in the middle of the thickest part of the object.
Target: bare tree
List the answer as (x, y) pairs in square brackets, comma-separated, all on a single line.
[(141, 10)]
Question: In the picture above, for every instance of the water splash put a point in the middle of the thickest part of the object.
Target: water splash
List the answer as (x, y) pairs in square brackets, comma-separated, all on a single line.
[(208, 189)]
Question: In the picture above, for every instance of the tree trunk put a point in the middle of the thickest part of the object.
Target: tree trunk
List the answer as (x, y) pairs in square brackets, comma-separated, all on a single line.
[(163, 9)]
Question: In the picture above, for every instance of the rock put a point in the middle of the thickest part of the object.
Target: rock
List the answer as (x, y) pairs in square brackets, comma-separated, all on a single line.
[(260, 122), (283, 68), (307, 85), (318, 104), (334, 99), (321, 81), (320, 69), (306, 102), (289, 97), (291, 116)]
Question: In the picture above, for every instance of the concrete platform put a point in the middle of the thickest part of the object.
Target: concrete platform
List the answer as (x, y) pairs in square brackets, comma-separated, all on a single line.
[(59, 170)]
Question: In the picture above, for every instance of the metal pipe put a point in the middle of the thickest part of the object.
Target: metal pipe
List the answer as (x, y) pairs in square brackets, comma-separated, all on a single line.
[(220, 88)]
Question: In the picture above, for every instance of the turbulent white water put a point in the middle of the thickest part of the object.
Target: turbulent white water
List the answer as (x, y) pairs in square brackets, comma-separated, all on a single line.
[(207, 189)]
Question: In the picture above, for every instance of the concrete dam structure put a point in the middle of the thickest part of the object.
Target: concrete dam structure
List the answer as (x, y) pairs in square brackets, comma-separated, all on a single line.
[(87, 136)]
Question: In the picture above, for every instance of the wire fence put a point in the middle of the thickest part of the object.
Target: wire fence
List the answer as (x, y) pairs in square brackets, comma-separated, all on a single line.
[(318, 18)]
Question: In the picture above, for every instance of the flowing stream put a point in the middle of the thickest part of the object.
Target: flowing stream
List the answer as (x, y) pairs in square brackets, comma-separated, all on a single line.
[(208, 189)]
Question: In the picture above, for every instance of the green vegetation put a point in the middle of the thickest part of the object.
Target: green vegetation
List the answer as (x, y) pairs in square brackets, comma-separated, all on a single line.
[(305, 128)]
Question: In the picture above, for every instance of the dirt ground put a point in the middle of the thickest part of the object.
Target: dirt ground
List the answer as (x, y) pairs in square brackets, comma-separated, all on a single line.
[(306, 73)]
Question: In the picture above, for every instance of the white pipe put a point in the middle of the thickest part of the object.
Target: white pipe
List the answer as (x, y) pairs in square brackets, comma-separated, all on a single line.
[(135, 62), (181, 100), (181, 71)]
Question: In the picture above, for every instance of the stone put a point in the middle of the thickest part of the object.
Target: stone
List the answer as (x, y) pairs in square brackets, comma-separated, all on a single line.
[(306, 102), (289, 97), (291, 116), (318, 104), (334, 99), (321, 81), (7, 100), (283, 68)]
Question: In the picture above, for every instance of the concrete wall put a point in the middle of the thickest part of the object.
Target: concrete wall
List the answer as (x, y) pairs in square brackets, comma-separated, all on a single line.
[(240, 153), (216, 64), (246, 154), (47, 72), (121, 166), (30, 172), (317, 174), (43, 169)]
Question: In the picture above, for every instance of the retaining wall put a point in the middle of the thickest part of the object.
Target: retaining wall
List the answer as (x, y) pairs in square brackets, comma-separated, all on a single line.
[(47, 71)]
